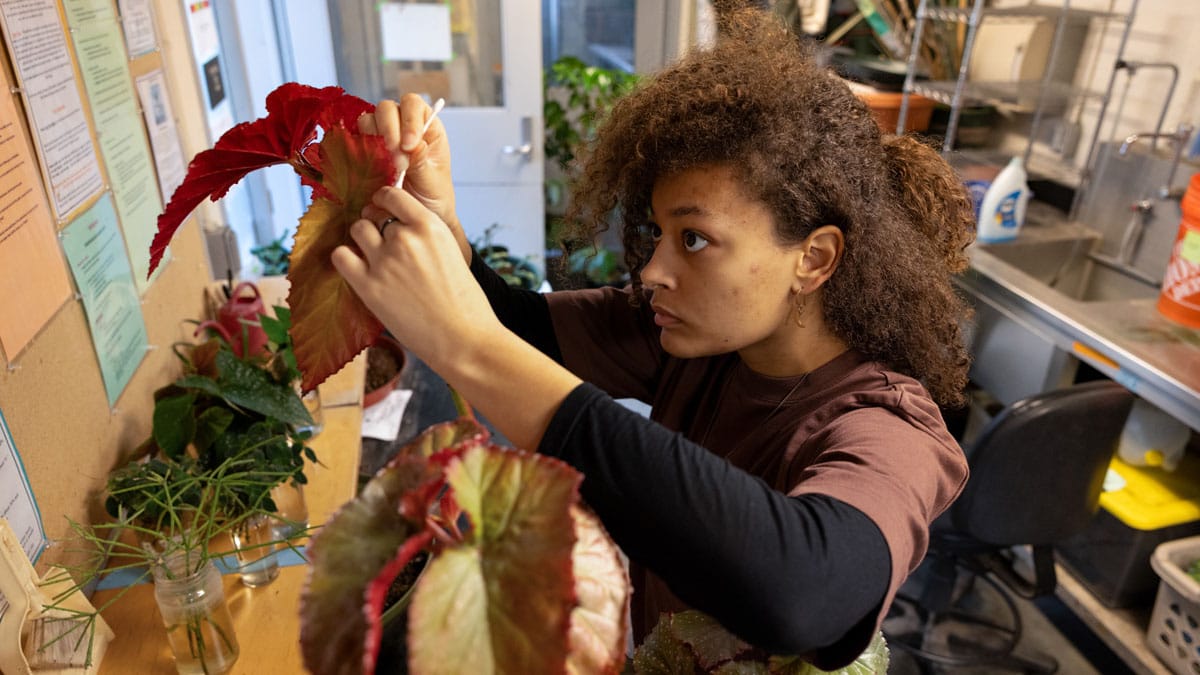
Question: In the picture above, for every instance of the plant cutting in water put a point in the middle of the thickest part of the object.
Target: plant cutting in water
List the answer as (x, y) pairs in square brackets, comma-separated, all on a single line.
[(166, 514)]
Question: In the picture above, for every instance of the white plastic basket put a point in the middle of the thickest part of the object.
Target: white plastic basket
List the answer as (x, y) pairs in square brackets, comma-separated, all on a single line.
[(1174, 631)]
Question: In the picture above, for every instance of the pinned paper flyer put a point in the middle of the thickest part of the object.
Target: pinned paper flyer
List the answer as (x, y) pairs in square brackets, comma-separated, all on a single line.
[(415, 32)]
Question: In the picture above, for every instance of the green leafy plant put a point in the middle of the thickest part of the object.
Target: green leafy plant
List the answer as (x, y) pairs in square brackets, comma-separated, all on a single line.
[(597, 266), (576, 99), (589, 93), (223, 436), (516, 272), (273, 256), (225, 404)]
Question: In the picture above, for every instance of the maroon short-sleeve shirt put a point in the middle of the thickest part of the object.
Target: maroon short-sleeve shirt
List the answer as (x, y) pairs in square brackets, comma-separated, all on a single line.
[(852, 429)]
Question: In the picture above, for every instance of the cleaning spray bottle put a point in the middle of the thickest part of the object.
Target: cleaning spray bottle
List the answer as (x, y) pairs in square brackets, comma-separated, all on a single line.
[(1003, 209)]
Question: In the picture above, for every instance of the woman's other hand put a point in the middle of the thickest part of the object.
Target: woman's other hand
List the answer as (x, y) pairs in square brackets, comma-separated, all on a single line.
[(423, 160), (412, 276)]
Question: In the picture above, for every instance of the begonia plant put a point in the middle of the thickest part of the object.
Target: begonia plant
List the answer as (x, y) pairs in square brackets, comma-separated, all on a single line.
[(522, 577)]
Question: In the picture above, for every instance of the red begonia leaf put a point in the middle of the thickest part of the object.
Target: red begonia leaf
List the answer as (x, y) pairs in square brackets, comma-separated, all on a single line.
[(343, 112), (292, 114), (358, 546), (330, 325)]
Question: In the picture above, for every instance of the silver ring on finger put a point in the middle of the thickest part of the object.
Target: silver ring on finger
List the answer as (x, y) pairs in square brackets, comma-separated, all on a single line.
[(387, 221)]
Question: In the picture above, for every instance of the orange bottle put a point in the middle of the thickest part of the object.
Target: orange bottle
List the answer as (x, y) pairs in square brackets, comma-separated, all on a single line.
[(1180, 296)]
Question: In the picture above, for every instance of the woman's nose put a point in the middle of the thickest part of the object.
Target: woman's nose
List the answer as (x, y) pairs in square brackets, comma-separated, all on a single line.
[(655, 274)]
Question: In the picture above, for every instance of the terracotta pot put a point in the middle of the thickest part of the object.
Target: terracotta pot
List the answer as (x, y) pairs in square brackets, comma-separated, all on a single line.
[(373, 396)]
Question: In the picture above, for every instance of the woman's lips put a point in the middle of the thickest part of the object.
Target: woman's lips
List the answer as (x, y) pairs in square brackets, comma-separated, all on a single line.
[(663, 318)]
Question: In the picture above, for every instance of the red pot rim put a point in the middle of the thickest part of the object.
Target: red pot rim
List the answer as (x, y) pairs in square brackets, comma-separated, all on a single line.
[(374, 396)]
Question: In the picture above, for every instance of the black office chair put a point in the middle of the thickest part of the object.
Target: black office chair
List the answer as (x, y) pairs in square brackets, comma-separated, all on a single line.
[(1036, 475)]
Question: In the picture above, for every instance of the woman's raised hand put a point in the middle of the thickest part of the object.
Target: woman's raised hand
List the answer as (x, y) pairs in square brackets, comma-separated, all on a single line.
[(412, 276), (424, 160)]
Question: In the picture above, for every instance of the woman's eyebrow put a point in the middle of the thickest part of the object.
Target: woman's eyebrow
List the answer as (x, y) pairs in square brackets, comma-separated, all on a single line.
[(688, 210)]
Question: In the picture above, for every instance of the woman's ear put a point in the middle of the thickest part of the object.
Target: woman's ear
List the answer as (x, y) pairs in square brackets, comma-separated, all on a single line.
[(820, 254)]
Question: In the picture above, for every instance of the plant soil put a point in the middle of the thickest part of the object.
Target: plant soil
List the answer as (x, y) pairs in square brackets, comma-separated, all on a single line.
[(382, 365), (405, 580)]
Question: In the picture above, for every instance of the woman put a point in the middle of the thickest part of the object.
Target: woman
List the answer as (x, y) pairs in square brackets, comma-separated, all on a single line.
[(791, 322)]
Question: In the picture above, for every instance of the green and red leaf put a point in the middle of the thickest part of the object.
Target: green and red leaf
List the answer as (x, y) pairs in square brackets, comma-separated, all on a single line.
[(330, 325), (356, 548), (293, 111), (501, 602)]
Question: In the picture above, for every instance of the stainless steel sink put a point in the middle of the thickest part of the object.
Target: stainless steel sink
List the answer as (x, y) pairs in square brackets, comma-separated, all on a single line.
[(1025, 293), (1069, 267)]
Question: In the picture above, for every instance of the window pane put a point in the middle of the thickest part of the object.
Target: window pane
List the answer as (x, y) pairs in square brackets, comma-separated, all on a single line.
[(387, 49), (599, 32)]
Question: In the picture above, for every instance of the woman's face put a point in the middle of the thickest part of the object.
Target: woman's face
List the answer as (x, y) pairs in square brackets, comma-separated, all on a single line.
[(720, 280)]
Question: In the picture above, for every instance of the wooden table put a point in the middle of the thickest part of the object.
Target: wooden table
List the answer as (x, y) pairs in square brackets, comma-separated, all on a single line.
[(266, 618)]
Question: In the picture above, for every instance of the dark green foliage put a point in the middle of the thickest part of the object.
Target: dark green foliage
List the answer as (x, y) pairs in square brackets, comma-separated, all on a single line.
[(239, 418), (590, 93), (273, 256)]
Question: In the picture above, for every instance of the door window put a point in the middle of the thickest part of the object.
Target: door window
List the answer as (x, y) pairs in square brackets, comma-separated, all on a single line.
[(450, 50), (598, 32)]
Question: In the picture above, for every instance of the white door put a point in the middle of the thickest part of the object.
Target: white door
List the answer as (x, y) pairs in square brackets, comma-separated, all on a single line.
[(484, 58), (497, 155)]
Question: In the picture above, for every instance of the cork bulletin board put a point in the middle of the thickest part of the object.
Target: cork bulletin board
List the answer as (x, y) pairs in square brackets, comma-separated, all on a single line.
[(52, 392)]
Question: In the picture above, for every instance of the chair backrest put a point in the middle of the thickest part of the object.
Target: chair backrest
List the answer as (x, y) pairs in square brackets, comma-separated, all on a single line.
[(1038, 467)]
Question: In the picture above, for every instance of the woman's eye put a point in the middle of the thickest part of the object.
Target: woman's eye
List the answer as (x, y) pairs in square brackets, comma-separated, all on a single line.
[(693, 241), (653, 232)]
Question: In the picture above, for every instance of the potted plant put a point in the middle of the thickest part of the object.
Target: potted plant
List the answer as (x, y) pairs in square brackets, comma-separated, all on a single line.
[(225, 436), (385, 362), (516, 272), (273, 256), (519, 569)]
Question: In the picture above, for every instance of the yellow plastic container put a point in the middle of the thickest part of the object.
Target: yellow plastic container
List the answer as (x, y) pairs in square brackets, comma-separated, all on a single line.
[(1144, 507), (1153, 498)]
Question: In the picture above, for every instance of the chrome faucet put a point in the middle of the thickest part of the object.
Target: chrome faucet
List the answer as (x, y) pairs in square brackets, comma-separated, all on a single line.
[(1179, 139), (1143, 209)]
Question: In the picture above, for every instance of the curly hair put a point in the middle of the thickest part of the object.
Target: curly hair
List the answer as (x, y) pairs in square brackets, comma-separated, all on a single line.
[(810, 150)]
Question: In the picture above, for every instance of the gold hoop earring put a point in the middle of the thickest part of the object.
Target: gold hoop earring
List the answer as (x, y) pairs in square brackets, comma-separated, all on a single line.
[(800, 305)]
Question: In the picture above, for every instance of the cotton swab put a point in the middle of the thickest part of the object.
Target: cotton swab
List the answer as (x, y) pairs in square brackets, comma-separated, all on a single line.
[(437, 108)]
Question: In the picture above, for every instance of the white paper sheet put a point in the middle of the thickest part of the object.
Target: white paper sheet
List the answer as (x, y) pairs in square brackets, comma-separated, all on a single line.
[(415, 32), (17, 504), (164, 136), (137, 20), (382, 420), (36, 39)]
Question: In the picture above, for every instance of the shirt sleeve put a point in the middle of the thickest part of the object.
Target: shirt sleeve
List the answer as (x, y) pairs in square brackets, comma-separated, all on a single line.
[(890, 465), (525, 313), (791, 575)]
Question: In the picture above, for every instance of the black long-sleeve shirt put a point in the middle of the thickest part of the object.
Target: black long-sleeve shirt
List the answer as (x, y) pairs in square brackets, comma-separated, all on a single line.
[(809, 576)]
